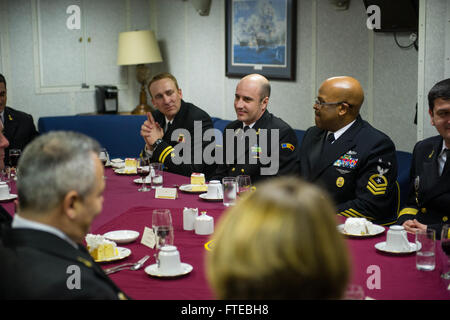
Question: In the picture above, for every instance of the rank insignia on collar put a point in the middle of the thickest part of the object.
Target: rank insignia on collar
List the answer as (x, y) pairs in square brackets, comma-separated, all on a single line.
[(377, 184), (10, 118), (431, 154), (287, 146), (86, 262)]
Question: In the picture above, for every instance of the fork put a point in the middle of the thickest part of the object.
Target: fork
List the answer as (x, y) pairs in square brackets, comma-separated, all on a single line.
[(131, 266)]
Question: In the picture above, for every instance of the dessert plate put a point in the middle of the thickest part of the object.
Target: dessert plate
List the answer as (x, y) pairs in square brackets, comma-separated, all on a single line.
[(381, 246), (205, 196), (139, 180), (11, 196), (122, 171), (152, 270), (188, 188), (123, 253), (122, 236), (377, 230)]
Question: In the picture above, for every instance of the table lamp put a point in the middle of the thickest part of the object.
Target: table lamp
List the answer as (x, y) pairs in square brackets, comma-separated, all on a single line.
[(139, 48)]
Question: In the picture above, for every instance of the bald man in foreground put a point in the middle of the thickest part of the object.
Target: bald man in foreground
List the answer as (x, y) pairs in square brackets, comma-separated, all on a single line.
[(355, 162), (258, 143)]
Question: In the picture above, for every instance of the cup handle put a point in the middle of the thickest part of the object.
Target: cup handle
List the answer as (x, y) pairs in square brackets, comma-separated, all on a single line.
[(156, 259)]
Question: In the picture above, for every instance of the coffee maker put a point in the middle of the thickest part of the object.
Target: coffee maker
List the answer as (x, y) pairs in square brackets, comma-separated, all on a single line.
[(107, 99)]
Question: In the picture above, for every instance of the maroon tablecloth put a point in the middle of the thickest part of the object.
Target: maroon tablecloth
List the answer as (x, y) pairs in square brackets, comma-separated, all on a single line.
[(126, 208)]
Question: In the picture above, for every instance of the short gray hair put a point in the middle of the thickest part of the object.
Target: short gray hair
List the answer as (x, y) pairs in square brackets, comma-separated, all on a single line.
[(52, 165)]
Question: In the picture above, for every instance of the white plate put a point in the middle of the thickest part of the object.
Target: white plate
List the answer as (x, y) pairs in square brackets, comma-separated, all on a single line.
[(139, 180), (205, 196), (413, 247), (188, 188), (123, 253), (122, 236), (152, 270), (122, 171), (378, 230), (11, 196)]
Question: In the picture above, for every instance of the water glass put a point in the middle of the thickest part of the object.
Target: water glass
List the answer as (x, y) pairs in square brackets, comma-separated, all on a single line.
[(244, 184), (229, 185), (156, 173), (425, 256), (162, 227)]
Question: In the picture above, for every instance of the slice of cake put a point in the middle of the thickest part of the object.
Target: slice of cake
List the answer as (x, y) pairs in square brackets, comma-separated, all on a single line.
[(197, 178), (100, 248), (358, 226), (199, 187), (130, 165)]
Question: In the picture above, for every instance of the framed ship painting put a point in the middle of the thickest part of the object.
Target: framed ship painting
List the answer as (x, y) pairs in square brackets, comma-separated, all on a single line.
[(260, 38)]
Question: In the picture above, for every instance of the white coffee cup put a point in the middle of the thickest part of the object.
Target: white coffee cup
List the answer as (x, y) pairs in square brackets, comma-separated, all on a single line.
[(214, 190), (204, 224), (189, 215), (169, 260), (397, 240), (4, 190)]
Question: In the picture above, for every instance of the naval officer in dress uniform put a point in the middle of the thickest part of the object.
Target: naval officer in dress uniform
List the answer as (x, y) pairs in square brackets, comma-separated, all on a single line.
[(352, 160), (60, 185), (258, 143), (428, 203)]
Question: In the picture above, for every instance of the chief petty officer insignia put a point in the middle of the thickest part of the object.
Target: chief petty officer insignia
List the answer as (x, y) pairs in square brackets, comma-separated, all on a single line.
[(378, 183)]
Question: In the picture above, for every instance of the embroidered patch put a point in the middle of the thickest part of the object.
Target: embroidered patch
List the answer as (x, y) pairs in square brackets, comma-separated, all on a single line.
[(377, 184), (287, 146), (346, 161)]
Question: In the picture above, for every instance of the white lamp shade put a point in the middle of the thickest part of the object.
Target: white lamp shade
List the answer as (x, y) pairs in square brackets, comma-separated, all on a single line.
[(138, 47)]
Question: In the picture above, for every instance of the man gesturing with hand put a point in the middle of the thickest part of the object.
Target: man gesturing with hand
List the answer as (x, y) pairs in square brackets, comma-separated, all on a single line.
[(173, 123)]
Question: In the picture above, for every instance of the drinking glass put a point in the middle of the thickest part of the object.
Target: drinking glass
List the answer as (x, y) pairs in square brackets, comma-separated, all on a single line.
[(229, 185), (103, 156), (244, 184), (425, 256), (445, 244), (162, 227), (157, 175), (143, 170), (14, 155)]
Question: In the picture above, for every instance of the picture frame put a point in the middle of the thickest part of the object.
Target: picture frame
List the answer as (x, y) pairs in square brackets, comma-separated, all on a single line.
[(261, 38)]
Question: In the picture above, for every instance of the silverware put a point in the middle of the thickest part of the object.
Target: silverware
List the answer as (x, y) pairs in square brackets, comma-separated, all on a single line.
[(131, 266)]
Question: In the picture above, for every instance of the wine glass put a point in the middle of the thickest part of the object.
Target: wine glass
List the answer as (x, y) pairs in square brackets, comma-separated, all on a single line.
[(162, 227), (14, 155), (244, 184), (445, 244), (103, 156), (143, 170)]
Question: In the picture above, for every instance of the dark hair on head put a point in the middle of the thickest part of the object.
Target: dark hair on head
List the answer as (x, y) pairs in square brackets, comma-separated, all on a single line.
[(160, 76), (2, 79), (439, 90)]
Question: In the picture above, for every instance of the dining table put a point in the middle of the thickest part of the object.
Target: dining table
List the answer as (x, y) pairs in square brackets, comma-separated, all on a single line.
[(380, 275)]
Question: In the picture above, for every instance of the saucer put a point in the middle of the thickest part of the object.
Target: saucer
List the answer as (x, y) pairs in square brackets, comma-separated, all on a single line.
[(123, 253), (122, 236), (11, 196), (139, 180), (412, 248), (188, 188), (378, 230), (205, 197), (152, 270)]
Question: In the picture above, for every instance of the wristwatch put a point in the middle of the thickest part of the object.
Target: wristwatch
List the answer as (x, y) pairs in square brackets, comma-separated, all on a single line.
[(157, 142)]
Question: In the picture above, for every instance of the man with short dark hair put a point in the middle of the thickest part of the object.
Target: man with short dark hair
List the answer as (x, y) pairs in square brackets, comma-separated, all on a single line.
[(174, 115), (60, 186), (428, 204), (19, 126), (352, 160)]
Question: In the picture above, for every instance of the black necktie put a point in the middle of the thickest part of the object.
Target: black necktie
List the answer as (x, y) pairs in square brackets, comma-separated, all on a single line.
[(169, 126), (446, 169), (328, 142), (246, 128)]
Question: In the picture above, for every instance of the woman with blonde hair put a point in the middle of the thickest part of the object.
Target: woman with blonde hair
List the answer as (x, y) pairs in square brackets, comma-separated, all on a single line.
[(279, 242)]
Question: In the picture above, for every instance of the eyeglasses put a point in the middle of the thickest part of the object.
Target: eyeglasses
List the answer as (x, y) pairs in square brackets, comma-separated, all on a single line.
[(321, 104)]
